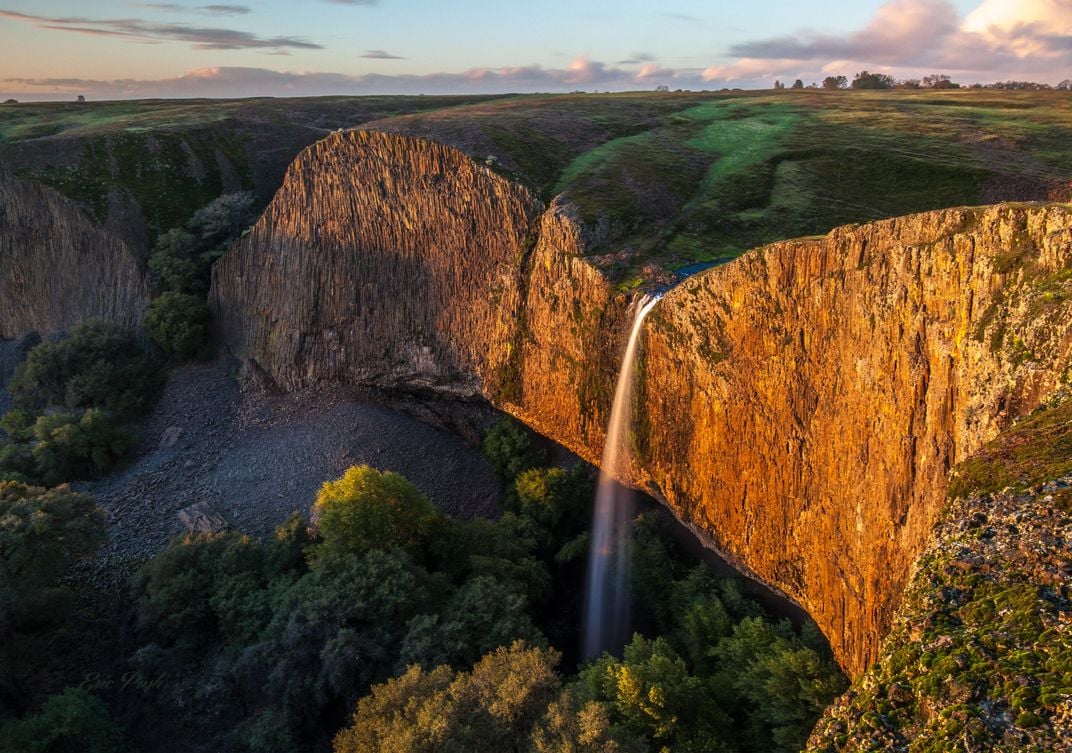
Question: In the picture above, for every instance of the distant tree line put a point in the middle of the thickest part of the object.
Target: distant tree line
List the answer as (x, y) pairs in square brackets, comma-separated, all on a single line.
[(866, 80)]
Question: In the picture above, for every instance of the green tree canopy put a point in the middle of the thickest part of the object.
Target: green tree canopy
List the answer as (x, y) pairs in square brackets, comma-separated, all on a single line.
[(176, 322), (98, 366), (370, 509)]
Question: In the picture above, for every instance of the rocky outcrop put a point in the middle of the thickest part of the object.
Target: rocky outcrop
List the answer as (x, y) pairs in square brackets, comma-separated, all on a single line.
[(804, 405), (800, 408), (980, 653), (381, 260), (58, 268)]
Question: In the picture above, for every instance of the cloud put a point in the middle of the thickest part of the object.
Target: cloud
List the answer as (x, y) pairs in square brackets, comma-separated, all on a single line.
[(380, 55), (637, 58), (1000, 39), (208, 10), (683, 17), (205, 38), (224, 81)]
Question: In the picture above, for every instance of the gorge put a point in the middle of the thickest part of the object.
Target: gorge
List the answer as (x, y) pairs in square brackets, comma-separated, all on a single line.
[(808, 409), (758, 375)]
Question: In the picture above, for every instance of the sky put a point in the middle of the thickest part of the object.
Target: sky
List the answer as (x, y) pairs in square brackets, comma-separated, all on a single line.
[(110, 49)]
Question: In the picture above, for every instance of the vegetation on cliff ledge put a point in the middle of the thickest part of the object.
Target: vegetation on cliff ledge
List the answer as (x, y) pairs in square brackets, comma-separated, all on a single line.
[(980, 657)]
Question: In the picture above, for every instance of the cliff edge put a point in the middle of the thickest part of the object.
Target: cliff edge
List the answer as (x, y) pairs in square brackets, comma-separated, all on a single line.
[(800, 407), (58, 267)]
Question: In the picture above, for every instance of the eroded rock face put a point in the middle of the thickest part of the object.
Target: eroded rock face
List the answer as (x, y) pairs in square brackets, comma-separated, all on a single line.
[(799, 407), (57, 267), (381, 260), (803, 405)]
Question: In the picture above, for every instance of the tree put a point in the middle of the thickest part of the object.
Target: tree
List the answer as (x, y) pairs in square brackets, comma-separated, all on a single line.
[(43, 533), (835, 82), (510, 449), (778, 85), (81, 98), (71, 447), (908, 83), (11, 101), (98, 366), (176, 322), (172, 264), (938, 81), (492, 708), (74, 721), (867, 80), (369, 509), (1065, 85), (798, 84)]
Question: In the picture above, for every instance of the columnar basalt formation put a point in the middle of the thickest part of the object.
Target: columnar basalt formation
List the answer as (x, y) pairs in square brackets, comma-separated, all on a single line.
[(381, 260), (799, 407), (805, 404), (58, 268)]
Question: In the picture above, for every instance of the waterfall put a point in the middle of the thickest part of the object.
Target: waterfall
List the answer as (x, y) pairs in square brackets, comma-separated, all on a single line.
[(607, 603)]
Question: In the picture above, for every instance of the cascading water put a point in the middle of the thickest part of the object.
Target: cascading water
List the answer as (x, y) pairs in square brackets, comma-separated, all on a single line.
[(607, 604)]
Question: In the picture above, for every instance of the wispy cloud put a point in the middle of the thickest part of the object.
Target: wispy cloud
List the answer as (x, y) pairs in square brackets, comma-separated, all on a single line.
[(136, 30), (683, 17), (380, 55), (637, 58), (208, 10)]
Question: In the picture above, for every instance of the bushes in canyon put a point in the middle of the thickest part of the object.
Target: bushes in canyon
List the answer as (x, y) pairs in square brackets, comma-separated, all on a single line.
[(181, 263), (97, 366), (512, 699), (510, 449), (722, 673), (720, 676), (74, 721), (73, 398), (297, 627), (434, 633), (181, 260), (44, 535), (177, 324)]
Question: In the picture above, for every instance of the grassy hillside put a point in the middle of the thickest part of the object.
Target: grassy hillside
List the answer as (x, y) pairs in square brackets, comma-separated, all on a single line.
[(674, 178), (685, 177), (171, 157)]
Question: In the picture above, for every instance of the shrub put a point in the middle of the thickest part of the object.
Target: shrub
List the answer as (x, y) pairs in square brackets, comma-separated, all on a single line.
[(369, 509), (73, 721), (98, 366), (511, 449), (43, 532), (172, 264), (176, 323), (70, 447)]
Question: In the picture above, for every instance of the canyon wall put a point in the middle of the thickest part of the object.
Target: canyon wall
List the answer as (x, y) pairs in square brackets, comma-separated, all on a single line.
[(800, 407), (803, 406), (57, 267), (380, 261)]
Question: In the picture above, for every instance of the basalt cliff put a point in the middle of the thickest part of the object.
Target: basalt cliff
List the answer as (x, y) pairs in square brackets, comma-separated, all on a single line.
[(800, 408), (58, 267)]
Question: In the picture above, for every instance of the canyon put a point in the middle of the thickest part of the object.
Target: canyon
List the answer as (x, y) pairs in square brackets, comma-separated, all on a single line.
[(799, 408), (802, 409)]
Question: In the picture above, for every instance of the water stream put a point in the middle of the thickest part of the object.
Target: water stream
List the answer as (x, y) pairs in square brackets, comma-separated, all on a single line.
[(607, 604)]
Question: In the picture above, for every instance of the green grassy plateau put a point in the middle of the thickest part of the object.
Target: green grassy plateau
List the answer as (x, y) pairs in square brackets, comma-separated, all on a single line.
[(671, 178)]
